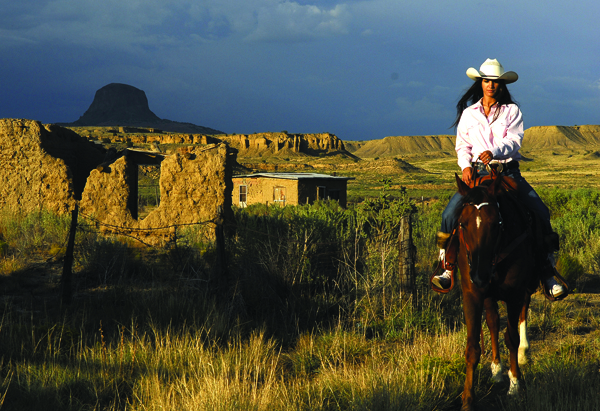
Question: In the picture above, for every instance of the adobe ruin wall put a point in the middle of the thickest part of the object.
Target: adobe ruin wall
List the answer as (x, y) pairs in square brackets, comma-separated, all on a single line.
[(43, 166), (51, 167), (195, 185)]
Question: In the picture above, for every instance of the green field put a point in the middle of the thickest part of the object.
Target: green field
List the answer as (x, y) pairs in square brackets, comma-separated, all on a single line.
[(308, 314)]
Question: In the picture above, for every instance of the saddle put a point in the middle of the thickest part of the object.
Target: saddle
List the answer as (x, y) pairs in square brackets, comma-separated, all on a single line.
[(508, 183), (548, 243)]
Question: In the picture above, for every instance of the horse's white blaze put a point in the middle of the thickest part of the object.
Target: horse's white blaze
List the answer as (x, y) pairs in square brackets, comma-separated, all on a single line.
[(478, 218), (514, 384), (497, 372), (524, 343)]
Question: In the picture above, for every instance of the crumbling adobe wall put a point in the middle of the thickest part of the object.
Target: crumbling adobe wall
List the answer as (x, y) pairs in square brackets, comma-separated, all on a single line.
[(43, 166), (195, 184)]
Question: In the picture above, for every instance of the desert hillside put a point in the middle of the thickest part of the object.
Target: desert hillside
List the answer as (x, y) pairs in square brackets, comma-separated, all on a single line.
[(551, 137), (394, 146), (540, 137)]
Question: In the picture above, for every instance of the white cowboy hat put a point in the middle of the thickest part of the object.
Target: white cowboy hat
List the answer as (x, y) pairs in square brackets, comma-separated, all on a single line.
[(492, 70)]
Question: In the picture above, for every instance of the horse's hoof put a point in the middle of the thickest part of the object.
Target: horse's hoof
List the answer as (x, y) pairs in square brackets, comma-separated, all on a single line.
[(497, 372), (523, 357), (514, 388)]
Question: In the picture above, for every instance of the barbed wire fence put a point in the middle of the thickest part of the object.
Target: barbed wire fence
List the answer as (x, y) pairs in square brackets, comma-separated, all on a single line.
[(222, 275)]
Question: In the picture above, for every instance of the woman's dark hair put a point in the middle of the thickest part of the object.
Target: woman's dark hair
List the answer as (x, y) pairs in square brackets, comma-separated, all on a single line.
[(475, 93)]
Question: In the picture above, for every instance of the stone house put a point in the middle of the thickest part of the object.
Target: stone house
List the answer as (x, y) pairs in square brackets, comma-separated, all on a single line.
[(288, 188)]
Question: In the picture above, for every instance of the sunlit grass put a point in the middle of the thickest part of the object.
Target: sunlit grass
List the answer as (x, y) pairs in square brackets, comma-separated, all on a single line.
[(302, 324)]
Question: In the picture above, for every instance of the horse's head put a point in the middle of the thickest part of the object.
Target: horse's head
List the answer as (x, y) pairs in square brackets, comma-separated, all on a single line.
[(479, 222)]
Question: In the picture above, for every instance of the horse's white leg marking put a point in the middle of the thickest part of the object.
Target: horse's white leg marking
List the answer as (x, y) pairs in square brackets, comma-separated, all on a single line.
[(523, 344), (514, 384), (497, 372)]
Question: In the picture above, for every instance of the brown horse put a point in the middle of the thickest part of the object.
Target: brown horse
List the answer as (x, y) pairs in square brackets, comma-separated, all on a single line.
[(497, 262)]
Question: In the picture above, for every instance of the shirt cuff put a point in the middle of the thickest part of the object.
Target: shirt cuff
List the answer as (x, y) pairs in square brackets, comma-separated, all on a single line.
[(496, 152), (464, 163)]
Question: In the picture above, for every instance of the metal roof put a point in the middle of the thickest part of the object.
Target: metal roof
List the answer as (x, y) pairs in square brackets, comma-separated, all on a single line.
[(295, 176)]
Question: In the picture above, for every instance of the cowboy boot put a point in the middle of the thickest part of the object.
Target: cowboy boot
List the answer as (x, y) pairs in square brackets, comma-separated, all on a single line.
[(555, 289), (444, 280)]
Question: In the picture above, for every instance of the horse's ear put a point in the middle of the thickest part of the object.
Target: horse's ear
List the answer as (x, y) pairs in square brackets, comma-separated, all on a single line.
[(463, 188), (496, 185)]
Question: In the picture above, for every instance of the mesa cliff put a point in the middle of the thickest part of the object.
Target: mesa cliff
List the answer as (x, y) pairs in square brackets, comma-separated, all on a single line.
[(123, 105), (248, 145), (282, 143)]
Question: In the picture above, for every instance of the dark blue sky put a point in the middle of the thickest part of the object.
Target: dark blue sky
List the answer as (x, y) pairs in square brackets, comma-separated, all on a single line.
[(359, 69)]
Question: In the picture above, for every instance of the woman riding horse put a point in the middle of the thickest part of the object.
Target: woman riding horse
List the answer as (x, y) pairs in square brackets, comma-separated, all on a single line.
[(490, 130), (497, 262)]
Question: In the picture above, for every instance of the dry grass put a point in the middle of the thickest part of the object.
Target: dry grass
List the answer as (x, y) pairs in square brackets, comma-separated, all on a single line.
[(152, 336), (165, 368)]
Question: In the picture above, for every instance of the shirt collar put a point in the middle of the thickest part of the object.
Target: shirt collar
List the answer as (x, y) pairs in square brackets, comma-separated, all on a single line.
[(479, 107)]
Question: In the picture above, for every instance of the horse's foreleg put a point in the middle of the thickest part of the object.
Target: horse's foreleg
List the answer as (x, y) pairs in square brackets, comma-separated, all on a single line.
[(473, 310), (511, 337), (524, 342), (493, 322)]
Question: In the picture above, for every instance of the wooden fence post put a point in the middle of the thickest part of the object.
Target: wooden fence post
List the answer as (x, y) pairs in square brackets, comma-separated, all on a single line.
[(221, 271), (406, 257), (67, 274)]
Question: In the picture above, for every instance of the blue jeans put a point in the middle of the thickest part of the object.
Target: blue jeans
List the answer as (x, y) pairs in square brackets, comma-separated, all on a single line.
[(525, 193)]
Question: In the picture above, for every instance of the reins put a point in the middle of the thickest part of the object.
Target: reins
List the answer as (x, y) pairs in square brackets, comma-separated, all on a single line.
[(498, 240), (499, 255)]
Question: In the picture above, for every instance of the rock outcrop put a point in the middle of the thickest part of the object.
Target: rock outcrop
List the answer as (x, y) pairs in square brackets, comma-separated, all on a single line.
[(123, 105), (118, 104), (283, 143)]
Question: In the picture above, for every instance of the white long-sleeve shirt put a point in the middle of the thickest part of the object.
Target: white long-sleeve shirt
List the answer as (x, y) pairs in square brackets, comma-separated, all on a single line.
[(475, 134)]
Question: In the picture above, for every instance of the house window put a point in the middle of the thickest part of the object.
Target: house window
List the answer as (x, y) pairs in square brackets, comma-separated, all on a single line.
[(320, 193), (243, 196), (148, 190), (279, 195)]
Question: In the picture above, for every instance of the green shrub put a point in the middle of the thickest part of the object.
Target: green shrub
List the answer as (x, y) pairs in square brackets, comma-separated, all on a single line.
[(576, 218), (40, 231), (570, 268)]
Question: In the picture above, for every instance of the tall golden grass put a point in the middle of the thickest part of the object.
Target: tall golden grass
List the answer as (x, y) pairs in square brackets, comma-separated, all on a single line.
[(302, 327)]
